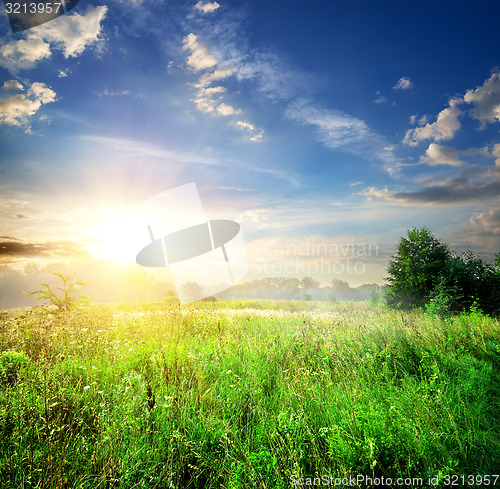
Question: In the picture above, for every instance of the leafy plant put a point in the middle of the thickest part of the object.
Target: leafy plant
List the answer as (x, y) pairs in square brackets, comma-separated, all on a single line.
[(64, 297)]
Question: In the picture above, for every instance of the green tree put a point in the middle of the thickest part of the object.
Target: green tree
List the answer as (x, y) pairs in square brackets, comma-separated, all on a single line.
[(64, 297), (416, 268), (468, 279)]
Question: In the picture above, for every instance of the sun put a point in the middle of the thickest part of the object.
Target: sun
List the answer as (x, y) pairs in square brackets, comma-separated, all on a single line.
[(119, 237)]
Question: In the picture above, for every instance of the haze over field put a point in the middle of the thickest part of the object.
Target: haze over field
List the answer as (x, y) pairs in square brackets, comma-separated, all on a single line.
[(326, 130)]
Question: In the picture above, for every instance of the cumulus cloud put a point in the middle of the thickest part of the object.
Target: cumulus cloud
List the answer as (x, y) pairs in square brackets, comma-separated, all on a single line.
[(23, 54), (207, 8), (444, 128), (200, 58), (71, 34), (11, 85), (17, 110), (486, 100), (437, 154), (486, 224), (404, 83)]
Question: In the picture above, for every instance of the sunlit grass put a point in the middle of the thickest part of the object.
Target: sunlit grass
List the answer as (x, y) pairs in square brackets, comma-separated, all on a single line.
[(246, 394)]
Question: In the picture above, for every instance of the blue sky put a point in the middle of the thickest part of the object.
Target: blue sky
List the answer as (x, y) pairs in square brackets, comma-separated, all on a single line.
[(315, 126)]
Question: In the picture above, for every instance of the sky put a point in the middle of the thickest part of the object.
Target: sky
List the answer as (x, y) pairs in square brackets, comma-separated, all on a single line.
[(325, 129)]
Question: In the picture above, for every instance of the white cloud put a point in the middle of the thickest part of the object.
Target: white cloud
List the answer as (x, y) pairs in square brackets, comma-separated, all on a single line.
[(23, 54), (445, 127), (217, 75), (201, 58), (11, 85), (337, 130), (112, 93), (404, 83), (486, 100), (207, 8), (482, 229), (373, 193), (380, 98), (257, 138), (236, 189), (209, 99), (245, 126), (204, 104), (226, 110), (212, 91), (71, 34), (437, 154), (17, 110), (274, 77)]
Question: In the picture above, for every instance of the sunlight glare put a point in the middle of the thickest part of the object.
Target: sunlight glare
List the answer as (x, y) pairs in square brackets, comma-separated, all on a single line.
[(121, 236)]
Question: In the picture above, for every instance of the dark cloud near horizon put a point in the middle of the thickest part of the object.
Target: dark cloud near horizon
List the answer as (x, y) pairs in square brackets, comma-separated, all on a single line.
[(12, 248), (452, 191)]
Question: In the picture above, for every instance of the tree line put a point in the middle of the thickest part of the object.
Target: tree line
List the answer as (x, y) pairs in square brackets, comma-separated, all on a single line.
[(290, 288)]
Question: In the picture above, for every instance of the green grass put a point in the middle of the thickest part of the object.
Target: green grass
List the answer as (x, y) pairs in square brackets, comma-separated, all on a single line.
[(242, 394)]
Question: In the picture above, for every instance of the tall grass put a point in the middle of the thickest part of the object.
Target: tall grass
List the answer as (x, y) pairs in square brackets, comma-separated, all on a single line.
[(241, 394)]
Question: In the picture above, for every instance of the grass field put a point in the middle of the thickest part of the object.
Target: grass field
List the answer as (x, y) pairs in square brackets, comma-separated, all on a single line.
[(242, 394)]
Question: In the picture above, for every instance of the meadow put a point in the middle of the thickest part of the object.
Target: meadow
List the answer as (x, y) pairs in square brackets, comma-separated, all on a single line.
[(243, 394)]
